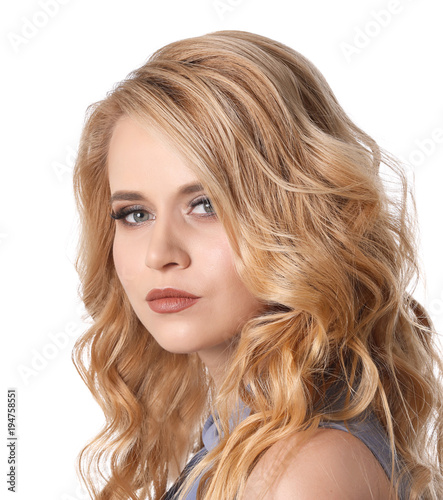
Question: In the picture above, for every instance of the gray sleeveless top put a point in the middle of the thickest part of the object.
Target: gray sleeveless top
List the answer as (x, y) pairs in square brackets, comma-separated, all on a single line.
[(369, 431)]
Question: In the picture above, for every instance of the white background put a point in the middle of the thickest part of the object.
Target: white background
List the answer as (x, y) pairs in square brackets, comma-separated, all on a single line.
[(54, 65)]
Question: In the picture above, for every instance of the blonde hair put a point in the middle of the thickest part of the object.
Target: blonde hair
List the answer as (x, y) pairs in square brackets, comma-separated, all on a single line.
[(316, 237)]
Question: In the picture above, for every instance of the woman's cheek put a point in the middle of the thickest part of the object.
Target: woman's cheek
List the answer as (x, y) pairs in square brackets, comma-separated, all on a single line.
[(123, 261)]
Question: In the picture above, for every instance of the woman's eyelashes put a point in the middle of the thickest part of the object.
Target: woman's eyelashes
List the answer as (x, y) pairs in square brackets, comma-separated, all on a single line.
[(204, 202), (136, 214)]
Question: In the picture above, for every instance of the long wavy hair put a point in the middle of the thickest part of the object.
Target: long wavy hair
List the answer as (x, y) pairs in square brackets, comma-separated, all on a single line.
[(317, 234)]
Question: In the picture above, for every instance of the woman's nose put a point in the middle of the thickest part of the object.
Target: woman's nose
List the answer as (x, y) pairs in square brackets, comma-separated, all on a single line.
[(166, 245)]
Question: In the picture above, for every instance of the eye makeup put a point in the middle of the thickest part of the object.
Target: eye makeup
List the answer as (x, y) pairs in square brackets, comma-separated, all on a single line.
[(137, 210)]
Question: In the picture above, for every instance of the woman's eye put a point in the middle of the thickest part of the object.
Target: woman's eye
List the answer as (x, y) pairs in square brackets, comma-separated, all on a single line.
[(137, 216), (205, 203), (131, 216)]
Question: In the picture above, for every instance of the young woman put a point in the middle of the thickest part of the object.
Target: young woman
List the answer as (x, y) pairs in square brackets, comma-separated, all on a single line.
[(250, 279)]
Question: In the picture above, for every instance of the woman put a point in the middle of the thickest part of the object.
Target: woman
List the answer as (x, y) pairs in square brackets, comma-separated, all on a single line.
[(249, 281)]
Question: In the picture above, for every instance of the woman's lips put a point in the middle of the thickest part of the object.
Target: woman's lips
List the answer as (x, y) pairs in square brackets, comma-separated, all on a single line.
[(171, 304)]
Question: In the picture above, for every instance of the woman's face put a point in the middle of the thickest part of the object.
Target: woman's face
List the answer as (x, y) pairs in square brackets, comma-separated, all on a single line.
[(162, 241)]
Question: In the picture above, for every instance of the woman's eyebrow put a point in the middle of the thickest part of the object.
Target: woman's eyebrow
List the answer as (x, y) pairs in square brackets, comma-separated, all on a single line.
[(138, 196)]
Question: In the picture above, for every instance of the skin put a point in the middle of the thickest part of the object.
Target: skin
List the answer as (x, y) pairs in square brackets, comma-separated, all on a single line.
[(332, 464), (176, 246)]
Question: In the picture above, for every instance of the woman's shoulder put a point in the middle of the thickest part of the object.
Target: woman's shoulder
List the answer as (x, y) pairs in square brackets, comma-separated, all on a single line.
[(330, 463)]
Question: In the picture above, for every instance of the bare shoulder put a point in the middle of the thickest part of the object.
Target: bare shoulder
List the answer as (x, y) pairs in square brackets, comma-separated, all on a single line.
[(331, 464)]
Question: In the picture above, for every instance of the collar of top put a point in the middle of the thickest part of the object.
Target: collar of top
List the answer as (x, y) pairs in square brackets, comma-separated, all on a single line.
[(210, 433)]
